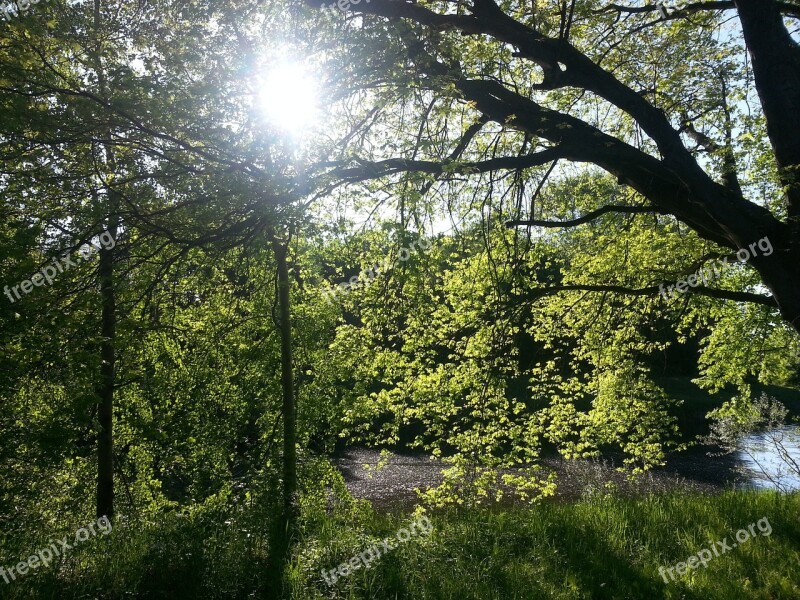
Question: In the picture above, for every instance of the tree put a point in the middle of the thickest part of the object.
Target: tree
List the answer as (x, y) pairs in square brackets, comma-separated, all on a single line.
[(131, 134), (579, 52)]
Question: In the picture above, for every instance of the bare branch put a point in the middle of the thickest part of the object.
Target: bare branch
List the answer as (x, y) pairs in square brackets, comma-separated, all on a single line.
[(630, 210)]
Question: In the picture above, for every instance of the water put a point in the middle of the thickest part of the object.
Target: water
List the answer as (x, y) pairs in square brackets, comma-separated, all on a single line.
[(762, 458)]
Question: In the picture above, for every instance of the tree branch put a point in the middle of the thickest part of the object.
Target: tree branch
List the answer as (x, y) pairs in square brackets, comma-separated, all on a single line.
[(729, 170), (677, 183), (369, 170), (788, 8), (652, 291), (630, 210)]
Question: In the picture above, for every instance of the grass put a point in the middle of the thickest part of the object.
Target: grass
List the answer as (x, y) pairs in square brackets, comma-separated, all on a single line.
[(599, 549), (602, 548)]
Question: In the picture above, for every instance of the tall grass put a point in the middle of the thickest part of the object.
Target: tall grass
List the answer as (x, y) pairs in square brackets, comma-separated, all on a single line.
[(603, 547)]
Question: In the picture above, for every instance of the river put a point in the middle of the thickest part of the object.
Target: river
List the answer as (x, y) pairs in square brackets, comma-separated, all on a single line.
[(771, 459)]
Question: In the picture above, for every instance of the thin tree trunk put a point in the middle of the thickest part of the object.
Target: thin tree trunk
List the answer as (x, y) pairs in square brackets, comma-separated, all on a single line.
[(105, 436), (287, 387), (284, 532), (108, 299)]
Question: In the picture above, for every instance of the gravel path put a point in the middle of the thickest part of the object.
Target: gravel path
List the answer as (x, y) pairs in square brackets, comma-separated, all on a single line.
[(392, 487)]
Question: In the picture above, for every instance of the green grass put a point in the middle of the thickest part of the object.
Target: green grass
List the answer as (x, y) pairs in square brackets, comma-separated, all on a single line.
[(603, 548), (600, 549)]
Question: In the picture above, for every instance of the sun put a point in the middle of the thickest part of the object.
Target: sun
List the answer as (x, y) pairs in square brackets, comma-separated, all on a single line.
[(288, 97)]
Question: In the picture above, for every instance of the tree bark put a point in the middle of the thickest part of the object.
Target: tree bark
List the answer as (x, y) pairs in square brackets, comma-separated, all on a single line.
[(776, 67), (287, 387), (285, 528), (105, 435), (108, 319)]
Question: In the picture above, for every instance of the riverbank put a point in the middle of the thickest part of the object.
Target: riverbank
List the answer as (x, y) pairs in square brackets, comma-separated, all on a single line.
[(392, 487)]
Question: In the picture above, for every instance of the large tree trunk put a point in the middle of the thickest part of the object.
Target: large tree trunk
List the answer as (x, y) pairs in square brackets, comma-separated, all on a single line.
[(782, 276), (776, 67)]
